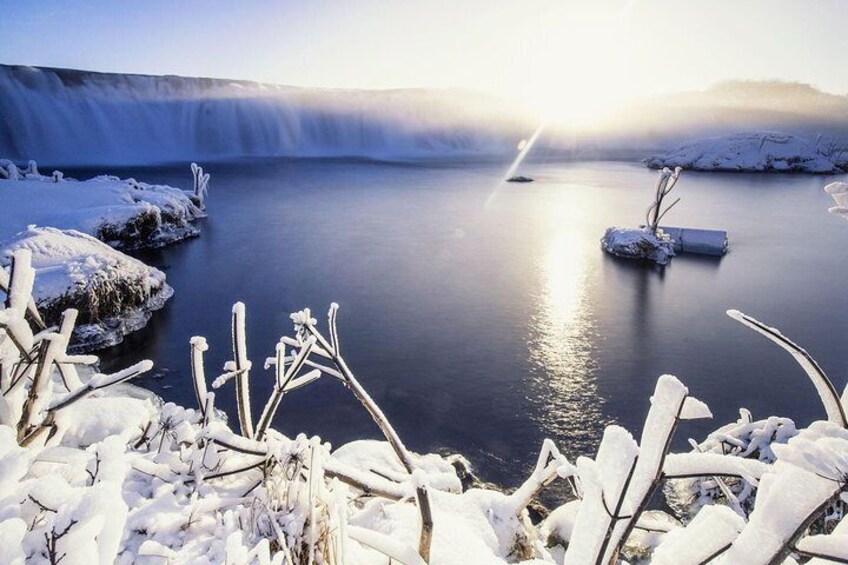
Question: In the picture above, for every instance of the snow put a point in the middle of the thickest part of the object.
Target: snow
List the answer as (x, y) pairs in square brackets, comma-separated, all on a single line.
[(637, 244), (714, 528), (91, 470), (839, 192), (754, 152), (122, 212), (114, 292)]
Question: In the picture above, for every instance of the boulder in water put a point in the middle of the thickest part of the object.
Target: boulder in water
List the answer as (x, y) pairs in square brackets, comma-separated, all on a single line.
[(639, 243)]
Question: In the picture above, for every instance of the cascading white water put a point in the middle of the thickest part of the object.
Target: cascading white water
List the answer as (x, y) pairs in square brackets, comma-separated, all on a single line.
[(64, 117)]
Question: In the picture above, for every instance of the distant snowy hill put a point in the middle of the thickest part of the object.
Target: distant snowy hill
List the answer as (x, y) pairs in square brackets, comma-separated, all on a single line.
[(756, 152)]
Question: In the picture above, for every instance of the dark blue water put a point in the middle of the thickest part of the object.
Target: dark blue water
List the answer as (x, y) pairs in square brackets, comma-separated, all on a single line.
[(484, 317)]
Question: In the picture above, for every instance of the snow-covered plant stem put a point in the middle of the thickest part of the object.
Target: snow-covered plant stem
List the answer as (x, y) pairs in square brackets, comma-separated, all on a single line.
[(426, 538), (629, 472), (666, 181), (331, 348), (833, 404), (242, 368), (198, 374), (284, 382), (201, 185), (550, 465)]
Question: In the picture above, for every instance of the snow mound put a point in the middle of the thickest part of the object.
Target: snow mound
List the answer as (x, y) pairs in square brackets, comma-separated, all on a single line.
[(124, 213), (754, 152), (637, 243), (114, 293), (839, 192)]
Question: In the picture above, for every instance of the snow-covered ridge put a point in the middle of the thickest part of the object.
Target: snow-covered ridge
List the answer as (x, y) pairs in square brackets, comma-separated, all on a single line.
[(75, 117), (757, 152)]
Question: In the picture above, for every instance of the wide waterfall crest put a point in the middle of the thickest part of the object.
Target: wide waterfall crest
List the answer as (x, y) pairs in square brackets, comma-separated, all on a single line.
[(65, 117)]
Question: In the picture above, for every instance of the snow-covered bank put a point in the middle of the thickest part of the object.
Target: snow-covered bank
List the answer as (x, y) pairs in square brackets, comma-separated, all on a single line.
[(91, 477), (756, 152), (113, 293), (124, 213)]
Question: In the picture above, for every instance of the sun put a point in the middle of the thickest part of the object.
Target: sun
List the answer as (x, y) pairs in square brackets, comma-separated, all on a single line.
[(577, 71)]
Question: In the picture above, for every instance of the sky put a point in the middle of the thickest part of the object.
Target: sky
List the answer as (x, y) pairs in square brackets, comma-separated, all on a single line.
[(594, 53)]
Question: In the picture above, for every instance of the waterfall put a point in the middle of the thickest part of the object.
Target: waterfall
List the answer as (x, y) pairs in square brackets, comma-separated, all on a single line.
[(66, 117)]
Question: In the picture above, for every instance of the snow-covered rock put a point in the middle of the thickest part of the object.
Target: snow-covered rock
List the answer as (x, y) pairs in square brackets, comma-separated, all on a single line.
[(637, 243), (114, 293), (839, 192), (754, 152), (124, 213)]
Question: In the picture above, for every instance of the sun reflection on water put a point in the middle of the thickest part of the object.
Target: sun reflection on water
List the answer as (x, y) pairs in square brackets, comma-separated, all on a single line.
[(561, 337)]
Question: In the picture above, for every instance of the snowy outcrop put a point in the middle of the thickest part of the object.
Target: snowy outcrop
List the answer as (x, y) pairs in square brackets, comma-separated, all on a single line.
[(113, 293), (755, 152), (124, 213), (638, 243), (839, 192)]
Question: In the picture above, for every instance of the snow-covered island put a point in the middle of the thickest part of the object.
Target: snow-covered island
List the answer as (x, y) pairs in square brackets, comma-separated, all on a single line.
[(94, 471), (74, 230), (756, 152), (638, 243)]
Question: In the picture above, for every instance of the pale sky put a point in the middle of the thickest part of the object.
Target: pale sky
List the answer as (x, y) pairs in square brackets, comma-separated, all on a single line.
[(595, 52)]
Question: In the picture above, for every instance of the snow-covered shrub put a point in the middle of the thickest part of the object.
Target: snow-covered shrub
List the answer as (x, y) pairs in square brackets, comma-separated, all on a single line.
[(665, 182), (201, 186)]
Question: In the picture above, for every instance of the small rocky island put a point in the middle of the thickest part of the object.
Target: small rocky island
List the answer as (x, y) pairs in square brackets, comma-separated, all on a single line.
[(659, 244)]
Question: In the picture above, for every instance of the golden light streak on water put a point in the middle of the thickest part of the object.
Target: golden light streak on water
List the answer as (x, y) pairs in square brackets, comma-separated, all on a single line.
[(563, 330)]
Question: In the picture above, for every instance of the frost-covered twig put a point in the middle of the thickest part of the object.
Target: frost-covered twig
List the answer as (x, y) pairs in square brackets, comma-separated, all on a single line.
[(827, 392), (423, 500), (198, 374), (666, 181), (201, 185), (101, 381), (242, 364), (550, 465), (305, 323), (620, 483), (284, 382)]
